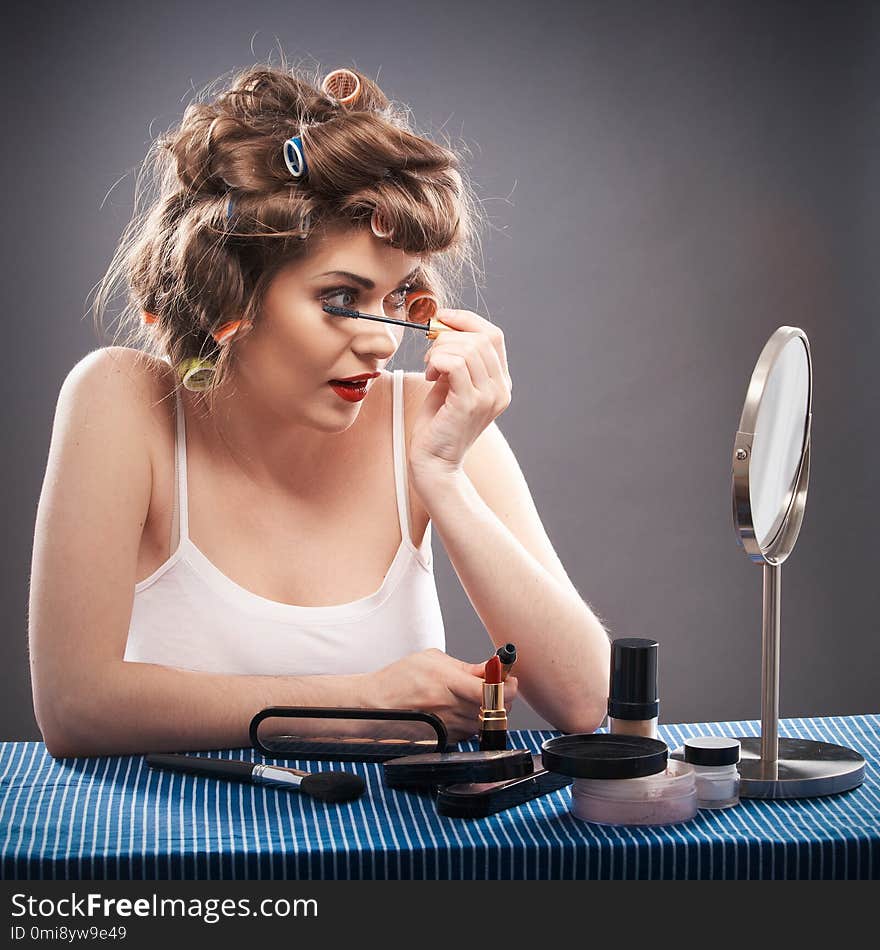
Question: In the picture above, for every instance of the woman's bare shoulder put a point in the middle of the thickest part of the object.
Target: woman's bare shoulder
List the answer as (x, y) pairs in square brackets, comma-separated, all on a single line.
[(121, 366), (136, 387)]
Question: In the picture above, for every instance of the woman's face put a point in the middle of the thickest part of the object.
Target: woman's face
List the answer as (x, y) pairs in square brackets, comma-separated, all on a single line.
[(284, 364)]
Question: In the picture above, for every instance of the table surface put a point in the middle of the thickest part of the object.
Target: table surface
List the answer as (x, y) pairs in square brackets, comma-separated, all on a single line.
[(114, 817)]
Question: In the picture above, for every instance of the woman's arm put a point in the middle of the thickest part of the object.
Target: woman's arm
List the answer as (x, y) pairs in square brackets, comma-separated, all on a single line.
[(92, 510), (500, 551)]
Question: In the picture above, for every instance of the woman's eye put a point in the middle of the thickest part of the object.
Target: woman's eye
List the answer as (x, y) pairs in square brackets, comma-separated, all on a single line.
[(396, 301), (340, 298)]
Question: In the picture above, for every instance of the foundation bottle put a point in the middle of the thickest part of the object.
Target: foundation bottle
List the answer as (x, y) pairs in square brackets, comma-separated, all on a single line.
[(633, 705)]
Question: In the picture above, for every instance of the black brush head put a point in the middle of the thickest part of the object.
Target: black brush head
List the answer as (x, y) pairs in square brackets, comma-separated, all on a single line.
[(333, 786)]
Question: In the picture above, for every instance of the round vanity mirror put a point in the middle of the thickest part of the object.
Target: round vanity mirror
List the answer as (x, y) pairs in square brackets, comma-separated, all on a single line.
[(771, 470)]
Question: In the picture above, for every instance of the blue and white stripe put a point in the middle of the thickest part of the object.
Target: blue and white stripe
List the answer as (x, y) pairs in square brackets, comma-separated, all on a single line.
[(113, 817)]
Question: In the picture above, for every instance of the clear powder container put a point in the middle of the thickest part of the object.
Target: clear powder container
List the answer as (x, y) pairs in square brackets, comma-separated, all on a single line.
[(666, 798), (623, 779), (714, 761)]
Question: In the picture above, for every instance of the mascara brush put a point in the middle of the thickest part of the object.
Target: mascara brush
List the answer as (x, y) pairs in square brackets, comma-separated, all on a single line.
[(421, 303), (323, 786)]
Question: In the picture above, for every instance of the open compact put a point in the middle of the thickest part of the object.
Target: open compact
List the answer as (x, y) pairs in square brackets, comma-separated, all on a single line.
[(623, 780)]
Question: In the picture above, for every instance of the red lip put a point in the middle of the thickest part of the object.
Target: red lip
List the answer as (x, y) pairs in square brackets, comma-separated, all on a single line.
[(354, 379)]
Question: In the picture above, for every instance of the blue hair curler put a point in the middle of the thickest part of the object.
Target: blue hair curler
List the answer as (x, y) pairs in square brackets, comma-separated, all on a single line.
[(294, 157)]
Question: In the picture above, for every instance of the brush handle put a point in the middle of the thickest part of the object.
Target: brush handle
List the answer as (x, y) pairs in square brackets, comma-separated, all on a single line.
[(198, 765)]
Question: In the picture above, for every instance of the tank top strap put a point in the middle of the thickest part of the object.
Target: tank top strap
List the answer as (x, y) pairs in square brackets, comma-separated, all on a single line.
[(400, 475), (181, 493)]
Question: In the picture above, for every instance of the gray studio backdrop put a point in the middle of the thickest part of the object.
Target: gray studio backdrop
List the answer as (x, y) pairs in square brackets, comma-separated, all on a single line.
[(666, 184)]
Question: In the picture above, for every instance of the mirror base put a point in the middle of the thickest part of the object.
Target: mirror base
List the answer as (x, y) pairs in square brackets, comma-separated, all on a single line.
[(804, 769)]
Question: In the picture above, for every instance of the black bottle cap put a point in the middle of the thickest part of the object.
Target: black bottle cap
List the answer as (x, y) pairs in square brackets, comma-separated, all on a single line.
[(507, 653), (632, 692), (711, 750)]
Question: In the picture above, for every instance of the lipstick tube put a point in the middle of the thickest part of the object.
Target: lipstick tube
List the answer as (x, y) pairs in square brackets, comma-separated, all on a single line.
[(493, 715)]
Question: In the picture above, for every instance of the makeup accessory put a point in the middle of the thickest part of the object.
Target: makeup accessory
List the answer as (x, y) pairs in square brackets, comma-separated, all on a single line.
[(379, 225), (294, 157), (149, 318), (342, 85), (453, 768), (320, 736), (421, 304), (197, 373), (507, 655), (479, 799), (493, 715), (667, 798), (714, 760), (633, 705), (623, 779), (323, 786)]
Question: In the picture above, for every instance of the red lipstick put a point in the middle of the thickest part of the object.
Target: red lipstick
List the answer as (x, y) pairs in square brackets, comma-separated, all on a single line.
[(349, 392), (493, 715), (354, 379), (352, 388)]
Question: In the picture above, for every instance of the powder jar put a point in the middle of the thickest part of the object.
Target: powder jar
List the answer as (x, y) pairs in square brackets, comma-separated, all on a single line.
[(622, 779), (714, 761)]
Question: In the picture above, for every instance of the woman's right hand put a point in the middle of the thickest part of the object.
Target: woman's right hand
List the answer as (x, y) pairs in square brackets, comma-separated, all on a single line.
[(432, 681)]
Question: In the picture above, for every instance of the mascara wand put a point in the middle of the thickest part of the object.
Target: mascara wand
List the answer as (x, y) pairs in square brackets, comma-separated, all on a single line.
[(421, 303)]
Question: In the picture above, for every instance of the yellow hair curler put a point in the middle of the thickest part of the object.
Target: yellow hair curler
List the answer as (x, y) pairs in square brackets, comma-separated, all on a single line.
[(197, 374)]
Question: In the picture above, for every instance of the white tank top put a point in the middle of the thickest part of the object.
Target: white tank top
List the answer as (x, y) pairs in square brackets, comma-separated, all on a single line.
[(188, 614)]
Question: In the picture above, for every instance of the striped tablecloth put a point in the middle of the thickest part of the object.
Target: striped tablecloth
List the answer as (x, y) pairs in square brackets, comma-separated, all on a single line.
[(114, 817)]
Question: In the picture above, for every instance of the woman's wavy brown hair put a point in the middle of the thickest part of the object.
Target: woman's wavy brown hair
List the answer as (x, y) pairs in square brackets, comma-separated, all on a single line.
[(217, 213)]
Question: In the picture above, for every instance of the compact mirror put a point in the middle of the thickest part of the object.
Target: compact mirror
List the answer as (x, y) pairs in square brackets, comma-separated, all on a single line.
[(771, 470)]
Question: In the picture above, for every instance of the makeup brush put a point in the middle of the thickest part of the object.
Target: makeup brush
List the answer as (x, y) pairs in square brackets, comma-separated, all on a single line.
[(431, 329), (323, 786)]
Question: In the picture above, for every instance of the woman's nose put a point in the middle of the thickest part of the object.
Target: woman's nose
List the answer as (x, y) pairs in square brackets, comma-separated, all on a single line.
[(374, 336)]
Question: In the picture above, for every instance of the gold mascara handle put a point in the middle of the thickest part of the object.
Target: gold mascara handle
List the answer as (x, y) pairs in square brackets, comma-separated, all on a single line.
[(434, 329), (422, 307)]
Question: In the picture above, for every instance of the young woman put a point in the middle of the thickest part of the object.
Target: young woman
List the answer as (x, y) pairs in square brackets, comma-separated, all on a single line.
[(225, 523)]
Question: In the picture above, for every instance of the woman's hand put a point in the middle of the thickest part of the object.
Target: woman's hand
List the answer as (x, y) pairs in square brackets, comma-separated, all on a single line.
[(434, 682), (472, 388)]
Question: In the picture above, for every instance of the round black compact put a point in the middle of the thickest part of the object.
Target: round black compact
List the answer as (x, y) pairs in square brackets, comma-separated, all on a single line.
[(452, 768), (597, 755)]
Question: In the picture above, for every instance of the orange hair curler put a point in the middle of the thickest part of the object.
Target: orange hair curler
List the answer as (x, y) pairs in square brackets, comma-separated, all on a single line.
[(148, 317), (380, 225), (342, 85), (228, 331), (422, 306)]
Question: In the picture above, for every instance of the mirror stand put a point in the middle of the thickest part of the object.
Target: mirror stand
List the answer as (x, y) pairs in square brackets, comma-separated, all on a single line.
[(768, 508), (773, 767)]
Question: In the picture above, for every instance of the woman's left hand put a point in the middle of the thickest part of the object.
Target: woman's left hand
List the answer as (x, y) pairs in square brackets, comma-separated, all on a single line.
[(472, 387)]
